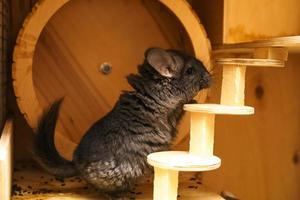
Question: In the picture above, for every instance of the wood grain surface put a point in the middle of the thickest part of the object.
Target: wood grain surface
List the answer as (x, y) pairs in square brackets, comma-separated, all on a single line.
[(64, 60)]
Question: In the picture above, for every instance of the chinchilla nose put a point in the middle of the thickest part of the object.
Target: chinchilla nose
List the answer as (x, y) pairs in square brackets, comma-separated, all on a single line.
[(206, 78)]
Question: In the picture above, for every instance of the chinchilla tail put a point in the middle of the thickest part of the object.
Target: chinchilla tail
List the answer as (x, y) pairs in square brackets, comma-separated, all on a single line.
[(44, 151)]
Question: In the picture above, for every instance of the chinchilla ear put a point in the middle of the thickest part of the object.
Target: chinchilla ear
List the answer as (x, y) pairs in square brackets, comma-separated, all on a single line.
[(161, 61)]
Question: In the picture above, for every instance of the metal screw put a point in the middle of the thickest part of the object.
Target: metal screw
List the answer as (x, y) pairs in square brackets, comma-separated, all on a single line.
[(105, 68)]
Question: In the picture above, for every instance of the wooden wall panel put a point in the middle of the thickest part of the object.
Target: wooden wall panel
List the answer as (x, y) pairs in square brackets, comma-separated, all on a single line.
[(232, 21), (259, 19), (260, 153), (4, 39), (23, 133), (19, 10), (211, 15)]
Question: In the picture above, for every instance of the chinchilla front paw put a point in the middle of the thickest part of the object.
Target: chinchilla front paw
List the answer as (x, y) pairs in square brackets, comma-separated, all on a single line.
[(193, 101)]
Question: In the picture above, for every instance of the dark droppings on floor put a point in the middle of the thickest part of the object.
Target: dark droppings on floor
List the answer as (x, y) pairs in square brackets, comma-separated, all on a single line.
[(46, 184), (32, 183), (19, 191)]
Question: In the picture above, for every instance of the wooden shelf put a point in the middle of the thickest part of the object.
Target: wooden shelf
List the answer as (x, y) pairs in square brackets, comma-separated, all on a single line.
[(219, 109), (183, 161), (291, 42), (250, 62), (31, 183)]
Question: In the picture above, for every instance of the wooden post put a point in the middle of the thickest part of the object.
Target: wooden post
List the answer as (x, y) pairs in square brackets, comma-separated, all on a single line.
[(202, 134), (233, 85), (6, 161), (165, 184), (277, 53)]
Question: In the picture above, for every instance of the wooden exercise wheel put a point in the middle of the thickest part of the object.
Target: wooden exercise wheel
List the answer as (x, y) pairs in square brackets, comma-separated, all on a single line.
[(64, 44)]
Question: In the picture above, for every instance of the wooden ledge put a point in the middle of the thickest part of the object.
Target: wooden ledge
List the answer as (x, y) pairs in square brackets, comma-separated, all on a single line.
[(250, 62), (292, 43), (219, 109), (183, 161)]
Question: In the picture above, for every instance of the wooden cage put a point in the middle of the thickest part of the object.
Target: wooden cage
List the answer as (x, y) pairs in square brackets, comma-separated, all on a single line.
[(63, 44)]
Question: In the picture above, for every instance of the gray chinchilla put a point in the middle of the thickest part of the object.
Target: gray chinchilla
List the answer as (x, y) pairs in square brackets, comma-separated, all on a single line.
[(112, 154)]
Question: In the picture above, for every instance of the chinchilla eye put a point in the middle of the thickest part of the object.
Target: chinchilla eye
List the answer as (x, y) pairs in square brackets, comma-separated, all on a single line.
[(189, 71)]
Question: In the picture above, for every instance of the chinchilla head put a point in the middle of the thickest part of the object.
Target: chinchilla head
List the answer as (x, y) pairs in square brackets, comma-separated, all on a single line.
[(170, 75)]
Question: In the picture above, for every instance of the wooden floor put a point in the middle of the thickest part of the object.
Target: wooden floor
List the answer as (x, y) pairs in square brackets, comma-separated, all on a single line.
[(31, 183)]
